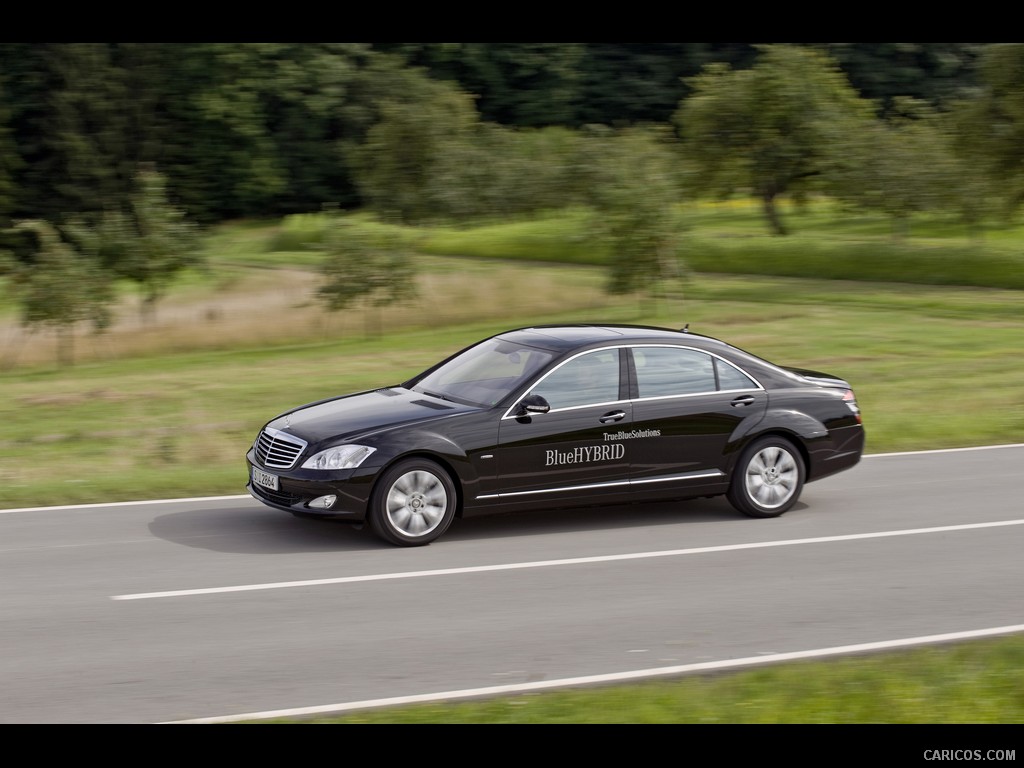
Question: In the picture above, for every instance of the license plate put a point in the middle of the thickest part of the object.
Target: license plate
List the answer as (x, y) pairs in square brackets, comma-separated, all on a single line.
[(265, 479)]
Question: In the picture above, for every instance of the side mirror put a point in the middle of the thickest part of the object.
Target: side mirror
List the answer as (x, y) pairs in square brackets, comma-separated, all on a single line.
[(533, 404)]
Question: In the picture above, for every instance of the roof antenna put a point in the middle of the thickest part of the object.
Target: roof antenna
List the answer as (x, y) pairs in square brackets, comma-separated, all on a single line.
[(685, 328)]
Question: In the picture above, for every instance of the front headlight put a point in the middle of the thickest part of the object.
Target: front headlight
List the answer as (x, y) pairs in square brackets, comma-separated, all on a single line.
[(339, 457)]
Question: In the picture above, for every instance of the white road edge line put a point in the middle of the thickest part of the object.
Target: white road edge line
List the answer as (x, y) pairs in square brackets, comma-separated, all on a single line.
[(569, 682), (566, 561), (942, 450), (144, 502)]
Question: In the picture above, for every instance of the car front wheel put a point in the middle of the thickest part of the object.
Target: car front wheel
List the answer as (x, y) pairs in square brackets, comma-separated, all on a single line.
[(413, 504), (768, 478)]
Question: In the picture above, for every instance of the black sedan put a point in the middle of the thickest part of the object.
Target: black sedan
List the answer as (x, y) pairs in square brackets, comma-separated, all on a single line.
[(559, 416)]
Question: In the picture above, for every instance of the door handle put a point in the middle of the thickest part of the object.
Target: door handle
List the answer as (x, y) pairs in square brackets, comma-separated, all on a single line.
[(742, 400), (613, 416)]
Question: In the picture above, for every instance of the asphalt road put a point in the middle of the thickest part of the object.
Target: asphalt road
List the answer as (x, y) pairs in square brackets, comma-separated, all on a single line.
[(213, 609)]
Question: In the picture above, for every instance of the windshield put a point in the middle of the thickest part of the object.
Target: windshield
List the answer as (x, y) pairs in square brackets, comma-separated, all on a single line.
[(485, 373)]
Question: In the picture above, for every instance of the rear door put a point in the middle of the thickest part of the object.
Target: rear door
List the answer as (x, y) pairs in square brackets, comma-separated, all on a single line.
[(687, 407)]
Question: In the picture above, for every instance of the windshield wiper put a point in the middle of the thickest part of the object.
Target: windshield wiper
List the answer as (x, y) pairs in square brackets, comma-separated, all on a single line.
[(438, 395)]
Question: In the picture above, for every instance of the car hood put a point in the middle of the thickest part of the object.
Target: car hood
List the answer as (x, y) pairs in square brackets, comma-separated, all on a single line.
[(350, 415)]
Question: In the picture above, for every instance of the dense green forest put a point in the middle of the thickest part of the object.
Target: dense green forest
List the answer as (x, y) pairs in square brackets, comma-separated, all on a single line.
[(115, 156), (267, 129)]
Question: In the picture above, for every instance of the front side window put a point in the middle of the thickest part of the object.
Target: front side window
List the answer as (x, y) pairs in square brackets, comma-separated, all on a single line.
[(588, 379)]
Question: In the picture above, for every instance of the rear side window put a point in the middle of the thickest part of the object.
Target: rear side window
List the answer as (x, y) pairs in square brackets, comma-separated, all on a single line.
[(731, 377), (666, 371)]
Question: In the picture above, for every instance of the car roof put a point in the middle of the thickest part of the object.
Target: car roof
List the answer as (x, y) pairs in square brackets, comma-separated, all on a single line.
[(574, 336)]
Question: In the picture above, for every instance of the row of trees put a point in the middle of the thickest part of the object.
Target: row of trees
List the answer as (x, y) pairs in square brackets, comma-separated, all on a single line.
[(268, 129), (789, 125), (196, 133), (577, 84)]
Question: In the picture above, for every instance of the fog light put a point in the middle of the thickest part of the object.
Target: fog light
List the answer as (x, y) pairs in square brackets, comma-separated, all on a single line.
[(324, 502)]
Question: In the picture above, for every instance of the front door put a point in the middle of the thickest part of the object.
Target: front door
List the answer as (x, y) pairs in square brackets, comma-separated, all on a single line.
[(570, 452)]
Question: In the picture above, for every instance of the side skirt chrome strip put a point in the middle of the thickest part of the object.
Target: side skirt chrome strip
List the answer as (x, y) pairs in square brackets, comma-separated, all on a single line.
[(704, 475), (685, 476)]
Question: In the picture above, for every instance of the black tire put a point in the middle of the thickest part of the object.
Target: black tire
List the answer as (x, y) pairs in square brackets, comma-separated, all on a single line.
[(768, 478), (413, 503)]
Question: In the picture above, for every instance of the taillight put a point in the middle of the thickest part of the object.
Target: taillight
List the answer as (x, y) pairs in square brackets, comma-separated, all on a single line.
[(851, 403)]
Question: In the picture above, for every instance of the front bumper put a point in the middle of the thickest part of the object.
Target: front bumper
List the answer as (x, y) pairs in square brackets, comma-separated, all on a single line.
[(297, 488)]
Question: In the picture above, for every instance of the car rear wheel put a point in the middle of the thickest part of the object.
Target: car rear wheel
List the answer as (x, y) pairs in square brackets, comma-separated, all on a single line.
[(768, 478), (413, 504)]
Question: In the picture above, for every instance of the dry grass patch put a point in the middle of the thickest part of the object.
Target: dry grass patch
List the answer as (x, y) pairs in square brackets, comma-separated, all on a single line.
[(261, 307)]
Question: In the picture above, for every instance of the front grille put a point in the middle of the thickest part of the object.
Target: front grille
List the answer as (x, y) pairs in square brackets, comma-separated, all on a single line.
[(278, 449)]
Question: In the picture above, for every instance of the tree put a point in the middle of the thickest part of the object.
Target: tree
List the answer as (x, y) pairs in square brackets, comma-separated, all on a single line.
[(60, 289), (635, 191), (934, 73), (395, 162), (763, 130), (209, 121), (9, 161), (635, 83), (904, 165), (991, 127), (362, 265), (892, 166), (495, 171), (518, 84), (311, 106), (150, 244), (68, 121)]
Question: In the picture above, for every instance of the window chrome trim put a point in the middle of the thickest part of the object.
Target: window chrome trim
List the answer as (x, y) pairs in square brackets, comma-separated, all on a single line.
[(694, 394), (758, 386)]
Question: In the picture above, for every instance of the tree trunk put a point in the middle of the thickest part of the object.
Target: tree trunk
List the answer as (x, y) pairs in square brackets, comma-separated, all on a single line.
[(772, 214)]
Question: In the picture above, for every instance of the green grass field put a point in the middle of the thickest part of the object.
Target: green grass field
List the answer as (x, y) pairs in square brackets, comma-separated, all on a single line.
[(975, 682), (169, 409)]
